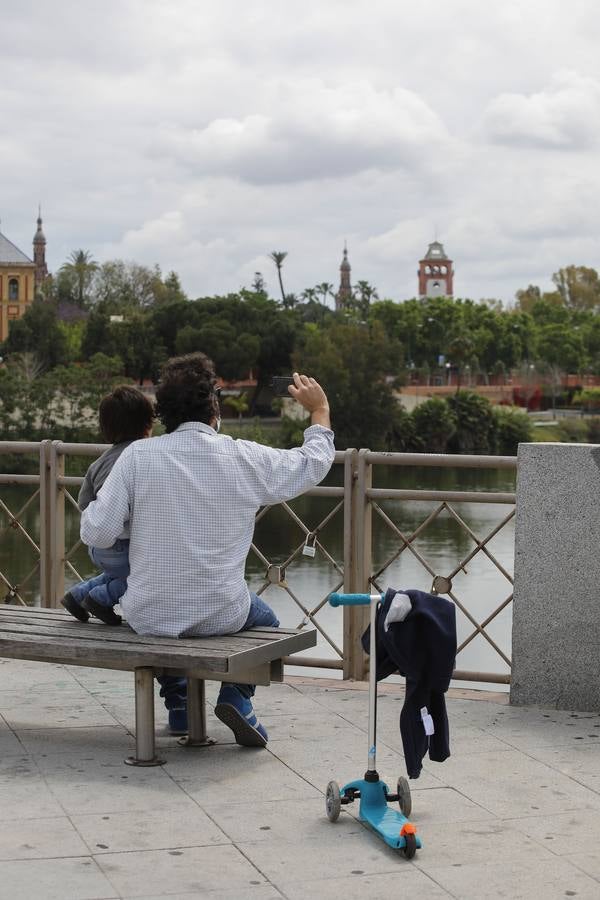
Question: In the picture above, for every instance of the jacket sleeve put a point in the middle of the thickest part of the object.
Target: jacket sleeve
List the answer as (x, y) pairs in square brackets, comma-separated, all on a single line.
[(278, 475), (86, 491), (104, 519)]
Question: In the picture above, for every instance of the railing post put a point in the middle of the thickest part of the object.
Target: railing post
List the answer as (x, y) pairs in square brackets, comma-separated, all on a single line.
[(356, 618), (46, 501), (57, 525)]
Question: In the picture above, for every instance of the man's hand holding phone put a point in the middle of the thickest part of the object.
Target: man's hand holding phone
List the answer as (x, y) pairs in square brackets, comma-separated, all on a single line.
[(309, 394)]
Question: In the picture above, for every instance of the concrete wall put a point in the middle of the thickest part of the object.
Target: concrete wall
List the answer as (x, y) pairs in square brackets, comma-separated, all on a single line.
[(556, 616)]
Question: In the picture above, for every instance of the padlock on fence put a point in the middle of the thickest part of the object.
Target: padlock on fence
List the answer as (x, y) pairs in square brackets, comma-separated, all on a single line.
[(310, 545)]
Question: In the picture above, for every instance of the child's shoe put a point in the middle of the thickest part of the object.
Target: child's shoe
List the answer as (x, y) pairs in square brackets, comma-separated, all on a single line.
[(236, 712), (71, 605), (106, 614)]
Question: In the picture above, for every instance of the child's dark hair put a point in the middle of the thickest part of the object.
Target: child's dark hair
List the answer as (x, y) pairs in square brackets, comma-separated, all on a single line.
[(125, 414), (186, 392)]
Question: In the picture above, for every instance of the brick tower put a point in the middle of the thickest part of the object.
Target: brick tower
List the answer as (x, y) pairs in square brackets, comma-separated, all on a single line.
[(436, 273), (39, 253), (344, 293)]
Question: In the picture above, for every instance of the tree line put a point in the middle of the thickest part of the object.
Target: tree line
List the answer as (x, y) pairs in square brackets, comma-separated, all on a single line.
[(119, 320)]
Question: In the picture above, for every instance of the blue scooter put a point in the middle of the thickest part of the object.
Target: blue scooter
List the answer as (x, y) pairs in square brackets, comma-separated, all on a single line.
[(374, 795)]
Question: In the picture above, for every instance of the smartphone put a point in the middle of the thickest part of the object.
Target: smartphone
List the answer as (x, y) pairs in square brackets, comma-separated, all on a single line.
[(280, 385)]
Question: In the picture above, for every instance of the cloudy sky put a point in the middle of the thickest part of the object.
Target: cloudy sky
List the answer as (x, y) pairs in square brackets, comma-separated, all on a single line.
[(201, 136)]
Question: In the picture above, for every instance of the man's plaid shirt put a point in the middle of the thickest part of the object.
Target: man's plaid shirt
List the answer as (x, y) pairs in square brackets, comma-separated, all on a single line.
[(190, 498)]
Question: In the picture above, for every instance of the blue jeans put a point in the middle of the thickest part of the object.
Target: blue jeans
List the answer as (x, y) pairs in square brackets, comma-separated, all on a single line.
[(107, 588), (173, 689)]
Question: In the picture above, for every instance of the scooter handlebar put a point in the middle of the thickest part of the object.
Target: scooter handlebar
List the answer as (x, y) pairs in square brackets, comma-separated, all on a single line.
[(350, 599)]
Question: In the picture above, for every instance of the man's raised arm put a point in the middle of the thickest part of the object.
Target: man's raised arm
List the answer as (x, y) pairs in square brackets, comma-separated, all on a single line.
[(279, 475)]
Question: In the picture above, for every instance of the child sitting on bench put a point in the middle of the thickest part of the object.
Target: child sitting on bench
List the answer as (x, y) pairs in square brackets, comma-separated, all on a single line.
[(125, 415)]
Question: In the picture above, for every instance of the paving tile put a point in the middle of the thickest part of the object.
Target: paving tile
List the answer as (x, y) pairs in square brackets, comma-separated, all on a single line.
[(25, 795), (100, 678), (99, 739), (286, 862), (344, 759), (10, 745), (444, 805), (38, 838), (509, 784), (539, 728), (295, 821), (251, 892), (54, 879), (187, 869), (522, 879), (106, 784), (182, 825), (37, 677), (314, 727), (588, 862), (577, 831), (122, 711), (282, 699), (474, 842), (228, 771), (52, 709), (407, 881), (354, 706), (465, 740), (580, 762)]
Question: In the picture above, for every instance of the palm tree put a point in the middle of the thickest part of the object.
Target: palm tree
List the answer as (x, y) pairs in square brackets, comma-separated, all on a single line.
[(238, 404), (325, 290), (309, 295), (27, 364), (278, 257), (363, 294), (460, 351), (80, 267)]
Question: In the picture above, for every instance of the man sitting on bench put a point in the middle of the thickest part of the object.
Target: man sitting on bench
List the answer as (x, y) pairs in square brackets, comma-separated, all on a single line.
[(190, 497)]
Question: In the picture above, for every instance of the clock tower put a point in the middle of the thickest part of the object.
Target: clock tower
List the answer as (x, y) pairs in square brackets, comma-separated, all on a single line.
[(436, 273)]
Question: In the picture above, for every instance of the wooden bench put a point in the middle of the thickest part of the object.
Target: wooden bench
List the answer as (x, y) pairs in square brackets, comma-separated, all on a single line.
[(248, 657)]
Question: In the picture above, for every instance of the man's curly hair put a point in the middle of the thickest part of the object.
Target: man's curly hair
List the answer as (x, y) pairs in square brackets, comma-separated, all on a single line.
[(186, 391)]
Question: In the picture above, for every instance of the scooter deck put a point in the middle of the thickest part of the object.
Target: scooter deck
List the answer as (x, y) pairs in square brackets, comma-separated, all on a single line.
[(374, 809)]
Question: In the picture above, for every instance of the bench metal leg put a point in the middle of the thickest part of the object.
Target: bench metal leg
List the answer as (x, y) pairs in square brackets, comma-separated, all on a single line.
[(145, 748), (196, 709)]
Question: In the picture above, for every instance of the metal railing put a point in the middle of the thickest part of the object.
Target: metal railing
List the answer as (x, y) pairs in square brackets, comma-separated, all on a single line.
[(353, 505)]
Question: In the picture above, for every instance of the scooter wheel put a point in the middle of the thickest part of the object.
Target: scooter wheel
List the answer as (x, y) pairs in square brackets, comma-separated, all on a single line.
[(404, 798), (410, 847), (333, 801)]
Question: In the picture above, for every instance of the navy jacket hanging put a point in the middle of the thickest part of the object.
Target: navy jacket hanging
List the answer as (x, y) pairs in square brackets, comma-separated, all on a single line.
[(423, 649)]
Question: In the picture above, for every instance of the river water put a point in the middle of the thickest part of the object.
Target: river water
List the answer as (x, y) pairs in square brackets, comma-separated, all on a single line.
[(481, 588)]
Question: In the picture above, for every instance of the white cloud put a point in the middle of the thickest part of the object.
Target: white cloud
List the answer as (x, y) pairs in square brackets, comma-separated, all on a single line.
[(312, 131), (565, 115)]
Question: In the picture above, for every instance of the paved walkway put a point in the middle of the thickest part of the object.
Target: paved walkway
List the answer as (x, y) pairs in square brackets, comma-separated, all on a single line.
[(514, 813)]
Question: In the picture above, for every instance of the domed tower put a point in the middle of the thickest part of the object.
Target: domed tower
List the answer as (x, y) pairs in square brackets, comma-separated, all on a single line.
[(344, 293), (436, 273), (39, 253)]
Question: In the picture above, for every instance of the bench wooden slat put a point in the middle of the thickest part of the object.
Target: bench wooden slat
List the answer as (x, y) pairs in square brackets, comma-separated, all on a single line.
[(96, 633), (44, 648), (36, 614), (60, 639), (230, 645)]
